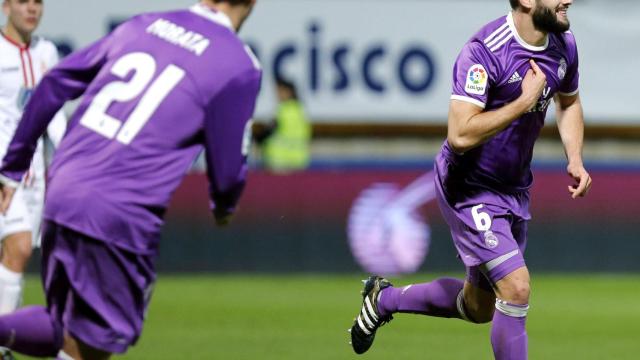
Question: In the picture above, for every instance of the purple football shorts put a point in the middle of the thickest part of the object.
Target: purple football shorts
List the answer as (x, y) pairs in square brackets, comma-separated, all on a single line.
[(489, 228), (96, 292)]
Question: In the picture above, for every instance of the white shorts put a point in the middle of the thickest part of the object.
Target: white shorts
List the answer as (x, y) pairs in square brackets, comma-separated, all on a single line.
[(25, 212)]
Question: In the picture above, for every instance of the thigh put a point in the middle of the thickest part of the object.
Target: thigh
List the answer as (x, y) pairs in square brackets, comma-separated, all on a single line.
[(34, 202), (17, 218), (480, 232), (489, 239), (511, 261), (107, 289)]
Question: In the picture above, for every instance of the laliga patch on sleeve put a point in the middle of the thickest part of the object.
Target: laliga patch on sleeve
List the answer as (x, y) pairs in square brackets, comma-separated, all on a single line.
[(477, 79)]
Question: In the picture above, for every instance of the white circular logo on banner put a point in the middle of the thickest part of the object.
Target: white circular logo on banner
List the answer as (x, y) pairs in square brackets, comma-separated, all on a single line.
[(387, 237)]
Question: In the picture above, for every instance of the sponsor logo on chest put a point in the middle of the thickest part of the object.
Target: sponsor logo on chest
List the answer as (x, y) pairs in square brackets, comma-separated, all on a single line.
[(515, 78)]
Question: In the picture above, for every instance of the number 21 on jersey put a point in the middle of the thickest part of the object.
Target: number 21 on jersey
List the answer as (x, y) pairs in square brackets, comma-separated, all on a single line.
[(144, 67)]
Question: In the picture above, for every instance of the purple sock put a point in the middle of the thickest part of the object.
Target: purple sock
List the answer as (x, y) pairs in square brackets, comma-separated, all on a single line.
[(508, 334), (31, 331), (437, 298)]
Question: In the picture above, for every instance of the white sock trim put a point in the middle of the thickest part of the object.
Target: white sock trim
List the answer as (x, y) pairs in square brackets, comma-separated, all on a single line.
[(9, 276), (63, 356), (460, 306), (517, 311)]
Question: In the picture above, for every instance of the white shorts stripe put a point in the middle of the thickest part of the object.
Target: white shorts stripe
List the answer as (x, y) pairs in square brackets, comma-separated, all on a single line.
[(500, 259)]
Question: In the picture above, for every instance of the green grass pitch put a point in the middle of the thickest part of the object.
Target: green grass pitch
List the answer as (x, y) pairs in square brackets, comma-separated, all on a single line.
[(306, 317)]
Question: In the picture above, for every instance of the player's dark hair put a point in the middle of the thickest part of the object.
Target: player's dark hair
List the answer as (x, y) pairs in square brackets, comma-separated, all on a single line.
[(289, 85), (514, 3)]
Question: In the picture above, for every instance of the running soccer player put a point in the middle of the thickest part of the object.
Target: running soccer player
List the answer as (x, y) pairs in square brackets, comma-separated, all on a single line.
[(24, 59), (503, 81), (156, 91)]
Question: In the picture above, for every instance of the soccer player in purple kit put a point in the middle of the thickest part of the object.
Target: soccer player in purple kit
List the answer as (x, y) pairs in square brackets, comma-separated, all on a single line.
[(503, 81), (156, 91)]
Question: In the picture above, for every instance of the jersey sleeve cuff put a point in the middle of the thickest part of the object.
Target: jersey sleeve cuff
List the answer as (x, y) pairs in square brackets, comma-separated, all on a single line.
[(7, 181), (469, 100), (572, 93)]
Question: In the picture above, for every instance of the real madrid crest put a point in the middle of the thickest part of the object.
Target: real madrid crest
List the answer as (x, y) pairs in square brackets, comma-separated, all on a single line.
[(490, 239), (562, 69)]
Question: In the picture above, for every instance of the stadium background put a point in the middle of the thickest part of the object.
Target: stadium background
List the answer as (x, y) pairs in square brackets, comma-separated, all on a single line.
[(375, 80)]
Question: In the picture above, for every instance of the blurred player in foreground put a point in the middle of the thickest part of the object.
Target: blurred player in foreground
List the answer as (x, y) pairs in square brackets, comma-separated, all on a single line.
[(24, 59), (155, 91), (503, 81)]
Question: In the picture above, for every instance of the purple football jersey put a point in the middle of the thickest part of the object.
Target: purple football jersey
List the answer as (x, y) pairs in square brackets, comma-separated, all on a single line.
[(156, 91), (489, 73)]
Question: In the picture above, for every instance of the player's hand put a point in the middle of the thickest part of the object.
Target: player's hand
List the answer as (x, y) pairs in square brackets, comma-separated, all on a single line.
[(533, 84), (6, 195), (582, 180)]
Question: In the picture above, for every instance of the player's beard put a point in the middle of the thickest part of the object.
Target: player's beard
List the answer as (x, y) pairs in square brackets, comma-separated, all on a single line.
[(545, 19)]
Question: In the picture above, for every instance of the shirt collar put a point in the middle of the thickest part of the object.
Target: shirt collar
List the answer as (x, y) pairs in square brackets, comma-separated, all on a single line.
[(217, 17), (15, 43), (520, 40)]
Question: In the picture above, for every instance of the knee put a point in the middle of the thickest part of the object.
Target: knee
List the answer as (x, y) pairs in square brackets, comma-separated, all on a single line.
[(515, 292), (23, 249), (16, 253)]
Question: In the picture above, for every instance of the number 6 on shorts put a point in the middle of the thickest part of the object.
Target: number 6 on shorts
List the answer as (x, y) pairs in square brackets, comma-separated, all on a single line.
[(481, 219)]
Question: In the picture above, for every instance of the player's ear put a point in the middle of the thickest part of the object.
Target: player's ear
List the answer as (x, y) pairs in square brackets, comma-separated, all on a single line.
[(527, 4)]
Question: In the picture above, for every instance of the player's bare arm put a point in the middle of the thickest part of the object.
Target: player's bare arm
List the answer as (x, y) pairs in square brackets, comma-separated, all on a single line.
[(571, 127), (470, 126)]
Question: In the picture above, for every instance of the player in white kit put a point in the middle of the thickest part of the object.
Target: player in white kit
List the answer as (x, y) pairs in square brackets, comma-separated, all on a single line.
[(24, 59)]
